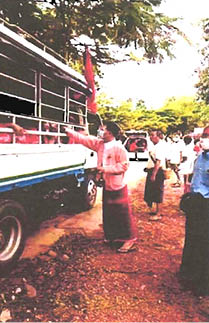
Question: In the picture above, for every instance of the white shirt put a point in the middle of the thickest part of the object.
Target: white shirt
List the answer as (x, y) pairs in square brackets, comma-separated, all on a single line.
[(108, 145), (175, 152), (158, 152), (187, 166)]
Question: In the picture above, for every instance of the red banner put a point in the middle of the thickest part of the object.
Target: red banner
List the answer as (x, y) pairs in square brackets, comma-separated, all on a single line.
[(89, 76)]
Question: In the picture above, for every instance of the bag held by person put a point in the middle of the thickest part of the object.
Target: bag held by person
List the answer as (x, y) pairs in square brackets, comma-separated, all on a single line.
[(192, 202)]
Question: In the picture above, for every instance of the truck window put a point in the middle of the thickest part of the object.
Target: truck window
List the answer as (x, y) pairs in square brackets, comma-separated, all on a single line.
[(18, 106)]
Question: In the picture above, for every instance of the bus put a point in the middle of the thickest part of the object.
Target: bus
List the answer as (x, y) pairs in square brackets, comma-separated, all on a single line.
[(42, 94)]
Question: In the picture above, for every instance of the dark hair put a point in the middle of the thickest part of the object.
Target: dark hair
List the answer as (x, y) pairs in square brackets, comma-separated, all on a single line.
[(112, 127), (187, 139), (159, 133)]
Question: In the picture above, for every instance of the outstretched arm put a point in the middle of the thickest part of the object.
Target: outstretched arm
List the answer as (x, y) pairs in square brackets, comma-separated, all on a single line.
[(88, 141), (16, 128)]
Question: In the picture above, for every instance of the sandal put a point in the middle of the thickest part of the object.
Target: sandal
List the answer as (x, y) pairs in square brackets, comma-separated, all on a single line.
[(127, 247), (106, 241), (155, 218), (176, 185)]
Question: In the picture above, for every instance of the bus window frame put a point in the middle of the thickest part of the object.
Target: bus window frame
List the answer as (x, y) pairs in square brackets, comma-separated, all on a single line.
[(54, 70)]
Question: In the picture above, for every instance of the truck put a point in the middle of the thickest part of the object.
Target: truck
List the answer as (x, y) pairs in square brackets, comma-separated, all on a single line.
[(40, 92)]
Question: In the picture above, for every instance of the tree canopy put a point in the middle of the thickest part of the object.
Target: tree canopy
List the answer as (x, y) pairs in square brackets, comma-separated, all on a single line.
[(178, 114), (203, 83), (108, 25)]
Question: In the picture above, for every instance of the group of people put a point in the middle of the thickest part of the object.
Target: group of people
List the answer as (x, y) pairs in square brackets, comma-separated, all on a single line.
[(172, 153), (23, 135), (118, 222), (193, 165), (181, 157)]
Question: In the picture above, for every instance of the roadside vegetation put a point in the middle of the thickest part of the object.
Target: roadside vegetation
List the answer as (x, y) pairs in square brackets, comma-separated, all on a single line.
[(183, 114)]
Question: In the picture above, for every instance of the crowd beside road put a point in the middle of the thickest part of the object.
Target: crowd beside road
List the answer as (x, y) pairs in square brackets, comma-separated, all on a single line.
[(188, 159), (174, 153)]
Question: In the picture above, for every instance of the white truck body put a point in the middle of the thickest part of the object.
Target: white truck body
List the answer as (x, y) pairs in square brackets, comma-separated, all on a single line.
[(41, 93)]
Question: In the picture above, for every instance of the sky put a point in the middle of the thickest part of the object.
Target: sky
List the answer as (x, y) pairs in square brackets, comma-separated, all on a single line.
[(155, 83)]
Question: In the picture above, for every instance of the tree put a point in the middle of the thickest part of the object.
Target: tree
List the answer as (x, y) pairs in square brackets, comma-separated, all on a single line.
[(184, 114), (178, 114), (118, 112), (125, 113), (23, 13), (203, 83), (109, 25)]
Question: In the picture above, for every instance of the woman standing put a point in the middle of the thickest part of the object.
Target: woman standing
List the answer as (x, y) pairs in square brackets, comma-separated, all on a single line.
[(154, 186)]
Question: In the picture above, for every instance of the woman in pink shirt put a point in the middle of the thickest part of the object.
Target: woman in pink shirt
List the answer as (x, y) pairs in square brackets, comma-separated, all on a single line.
[(112, 163)]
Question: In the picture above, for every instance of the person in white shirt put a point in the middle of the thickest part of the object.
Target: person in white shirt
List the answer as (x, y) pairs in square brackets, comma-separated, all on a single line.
[(188, 158), (154, 186), (175, 157)]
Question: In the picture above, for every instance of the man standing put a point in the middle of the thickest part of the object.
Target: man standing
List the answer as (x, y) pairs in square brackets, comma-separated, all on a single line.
[(154, 186), (175, 157), (118, 223), (194, 270), (187, 164)]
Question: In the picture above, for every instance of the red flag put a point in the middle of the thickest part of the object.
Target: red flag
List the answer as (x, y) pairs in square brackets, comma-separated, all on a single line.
[(89, 76)]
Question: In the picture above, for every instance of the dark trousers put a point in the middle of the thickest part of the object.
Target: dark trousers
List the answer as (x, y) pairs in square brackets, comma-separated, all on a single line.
[(195, 258), (154, 190)]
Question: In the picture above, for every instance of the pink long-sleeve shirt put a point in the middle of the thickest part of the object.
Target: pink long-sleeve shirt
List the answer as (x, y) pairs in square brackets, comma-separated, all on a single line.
[(112, 156)]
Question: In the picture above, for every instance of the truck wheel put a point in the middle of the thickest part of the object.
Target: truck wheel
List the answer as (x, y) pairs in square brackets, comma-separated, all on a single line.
[(89, 192), (12, 233)]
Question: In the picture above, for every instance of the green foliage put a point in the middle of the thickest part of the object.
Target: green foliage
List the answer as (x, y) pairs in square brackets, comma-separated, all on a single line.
[(182, 114), (124, 113), (179, 114), (23, 13), (203, 83), (107, 24)]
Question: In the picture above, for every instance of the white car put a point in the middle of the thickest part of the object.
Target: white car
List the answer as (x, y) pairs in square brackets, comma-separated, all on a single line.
[(137, 148)]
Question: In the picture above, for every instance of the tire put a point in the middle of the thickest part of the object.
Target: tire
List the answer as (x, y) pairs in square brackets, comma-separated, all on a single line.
[(88, 193), (12, 233)]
